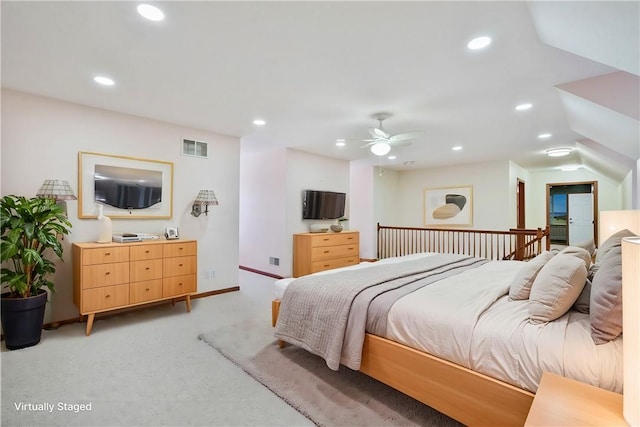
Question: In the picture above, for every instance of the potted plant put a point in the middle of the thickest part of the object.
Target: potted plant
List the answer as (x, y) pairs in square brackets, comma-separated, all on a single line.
[(30, 232)]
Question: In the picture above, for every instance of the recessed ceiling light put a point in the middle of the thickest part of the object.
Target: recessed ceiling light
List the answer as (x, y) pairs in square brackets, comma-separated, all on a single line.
[(105, 81), (150, 12), (558, 152), (479, 43), (457, 148), (340, 142), (544, 136), (569, 168), (523, 107), (259, 122), (391, 157)]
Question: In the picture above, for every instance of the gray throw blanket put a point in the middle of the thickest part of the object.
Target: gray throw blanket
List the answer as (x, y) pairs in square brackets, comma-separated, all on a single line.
[(327, 314)]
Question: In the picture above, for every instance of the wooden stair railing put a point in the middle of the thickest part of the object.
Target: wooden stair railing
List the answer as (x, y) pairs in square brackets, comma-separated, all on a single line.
[(516, 244)]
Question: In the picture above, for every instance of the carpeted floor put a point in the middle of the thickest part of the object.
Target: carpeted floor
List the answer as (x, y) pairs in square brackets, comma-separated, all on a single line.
[(326, 397)]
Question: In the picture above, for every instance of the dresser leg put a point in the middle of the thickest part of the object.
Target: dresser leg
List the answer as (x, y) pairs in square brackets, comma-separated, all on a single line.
[(89, 324), (188, 301)]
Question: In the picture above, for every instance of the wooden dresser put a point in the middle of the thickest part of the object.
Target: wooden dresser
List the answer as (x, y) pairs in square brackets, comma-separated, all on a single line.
[(110, 276), (313, 252)]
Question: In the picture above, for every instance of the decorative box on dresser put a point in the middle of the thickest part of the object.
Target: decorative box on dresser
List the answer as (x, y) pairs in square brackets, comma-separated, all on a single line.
[(112, 276), (313, 252)]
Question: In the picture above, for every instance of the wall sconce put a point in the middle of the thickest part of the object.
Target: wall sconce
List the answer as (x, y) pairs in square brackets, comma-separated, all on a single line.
[(57, 189), (206, 198)]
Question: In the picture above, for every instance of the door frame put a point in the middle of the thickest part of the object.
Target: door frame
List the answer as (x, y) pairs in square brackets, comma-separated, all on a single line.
[(594, 191)]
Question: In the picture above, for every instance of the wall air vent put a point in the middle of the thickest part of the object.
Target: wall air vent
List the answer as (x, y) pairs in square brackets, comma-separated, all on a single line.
[(194, 148)]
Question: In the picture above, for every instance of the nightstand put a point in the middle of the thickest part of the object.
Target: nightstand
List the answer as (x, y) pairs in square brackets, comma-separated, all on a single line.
[(562, 401)]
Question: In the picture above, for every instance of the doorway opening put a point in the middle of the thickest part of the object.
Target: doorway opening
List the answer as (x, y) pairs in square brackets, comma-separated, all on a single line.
[(572, 212)]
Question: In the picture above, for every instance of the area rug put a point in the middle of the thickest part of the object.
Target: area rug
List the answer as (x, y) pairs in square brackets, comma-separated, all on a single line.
[(303, 380)]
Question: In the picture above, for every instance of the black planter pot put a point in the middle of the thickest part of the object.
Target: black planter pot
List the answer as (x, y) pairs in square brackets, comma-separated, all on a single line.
[(22, 320)]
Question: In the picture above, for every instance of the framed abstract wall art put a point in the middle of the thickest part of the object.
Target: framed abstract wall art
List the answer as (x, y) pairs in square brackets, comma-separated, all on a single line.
[(448, 206)]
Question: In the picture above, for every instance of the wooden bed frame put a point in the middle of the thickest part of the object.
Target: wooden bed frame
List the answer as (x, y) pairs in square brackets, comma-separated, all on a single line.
[(460, 393), (471, 398)]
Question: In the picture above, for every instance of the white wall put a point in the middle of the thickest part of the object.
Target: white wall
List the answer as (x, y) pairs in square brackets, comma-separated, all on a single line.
[(516, 172), (490, 182), (41, 138), (361, 215), (263, 202)]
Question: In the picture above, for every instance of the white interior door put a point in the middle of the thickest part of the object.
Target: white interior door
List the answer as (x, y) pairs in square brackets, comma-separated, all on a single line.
[(580, 213)]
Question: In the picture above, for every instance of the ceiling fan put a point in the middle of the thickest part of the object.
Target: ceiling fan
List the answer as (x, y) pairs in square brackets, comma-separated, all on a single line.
[(382, 141)]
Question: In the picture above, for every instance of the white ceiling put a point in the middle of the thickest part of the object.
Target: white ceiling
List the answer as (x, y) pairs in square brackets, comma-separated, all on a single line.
[(318, 71)]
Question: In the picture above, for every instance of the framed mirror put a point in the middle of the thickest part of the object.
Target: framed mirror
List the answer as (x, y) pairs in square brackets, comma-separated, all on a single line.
[(126, 187)]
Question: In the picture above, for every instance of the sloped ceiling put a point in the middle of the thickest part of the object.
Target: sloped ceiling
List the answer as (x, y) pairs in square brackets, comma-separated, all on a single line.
[(604, 109)]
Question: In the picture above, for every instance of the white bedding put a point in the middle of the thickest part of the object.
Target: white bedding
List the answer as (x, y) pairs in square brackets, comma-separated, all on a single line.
[(469, 320)]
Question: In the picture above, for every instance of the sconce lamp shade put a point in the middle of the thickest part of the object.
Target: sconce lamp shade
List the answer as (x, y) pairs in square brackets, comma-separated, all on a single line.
[(631, 328), (613, 221), (56, 189), (206, 198)]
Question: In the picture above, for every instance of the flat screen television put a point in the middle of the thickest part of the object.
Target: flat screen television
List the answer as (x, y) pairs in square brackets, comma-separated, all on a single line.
[(323, 204), (127, 188)]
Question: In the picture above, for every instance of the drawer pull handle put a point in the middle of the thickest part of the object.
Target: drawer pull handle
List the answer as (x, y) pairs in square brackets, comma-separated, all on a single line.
[(179, 265), (147, 289), (326, 252), (146, 252), (180, 248), (326, 240), (107, 273), (107, 296), (349, 249), (147, 268), (180, 284), (326, 265), (107, 253)]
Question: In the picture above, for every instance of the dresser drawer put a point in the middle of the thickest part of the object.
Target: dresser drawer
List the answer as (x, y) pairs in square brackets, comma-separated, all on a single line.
[(94, 276), (178, 266), (143, 252), (333, 239), (145, 270), (105, 255), (334, 263), (179, 249), (145, 291), (104, 298), (329, 252), (179, 285)]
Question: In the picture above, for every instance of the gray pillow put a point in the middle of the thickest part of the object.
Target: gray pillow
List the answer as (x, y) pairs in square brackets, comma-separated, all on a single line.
[(581, 253), (612, 242), (556, 288), (521, 286), (605, 305), (589, 245), (582, 303)]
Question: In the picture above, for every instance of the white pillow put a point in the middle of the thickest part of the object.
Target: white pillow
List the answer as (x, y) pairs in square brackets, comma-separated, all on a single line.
[(581, 253), (521, 285), (556, 287)]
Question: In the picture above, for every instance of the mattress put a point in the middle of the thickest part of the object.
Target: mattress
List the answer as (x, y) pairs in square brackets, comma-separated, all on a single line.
[(468, 319)]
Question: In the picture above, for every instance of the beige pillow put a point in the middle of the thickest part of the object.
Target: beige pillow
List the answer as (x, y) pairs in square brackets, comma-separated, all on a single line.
[(581, 253), (556, 288), (605, 305), (589, 245), (612, 242), (582, 303), (521, 286)]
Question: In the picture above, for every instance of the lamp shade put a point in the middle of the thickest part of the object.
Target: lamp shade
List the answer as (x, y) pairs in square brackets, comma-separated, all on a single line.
[(631, 328), (56, 189), (208, 197), (613, 221)]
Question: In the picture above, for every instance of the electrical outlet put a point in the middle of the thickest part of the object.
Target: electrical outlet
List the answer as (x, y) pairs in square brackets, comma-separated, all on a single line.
[(274, 261), (209, 274)]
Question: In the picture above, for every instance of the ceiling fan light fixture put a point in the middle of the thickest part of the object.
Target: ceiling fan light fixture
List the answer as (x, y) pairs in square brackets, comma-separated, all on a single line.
[(380, 148), (479, 43)]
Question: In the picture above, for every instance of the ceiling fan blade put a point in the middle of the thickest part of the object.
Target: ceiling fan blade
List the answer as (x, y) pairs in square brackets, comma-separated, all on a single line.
[(378, 133), (405, 136), (400, 143), (367, 145)]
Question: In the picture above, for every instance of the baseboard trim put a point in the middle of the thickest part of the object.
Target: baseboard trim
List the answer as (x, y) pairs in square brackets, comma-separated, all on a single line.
[(80, 319), (264, 273)]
